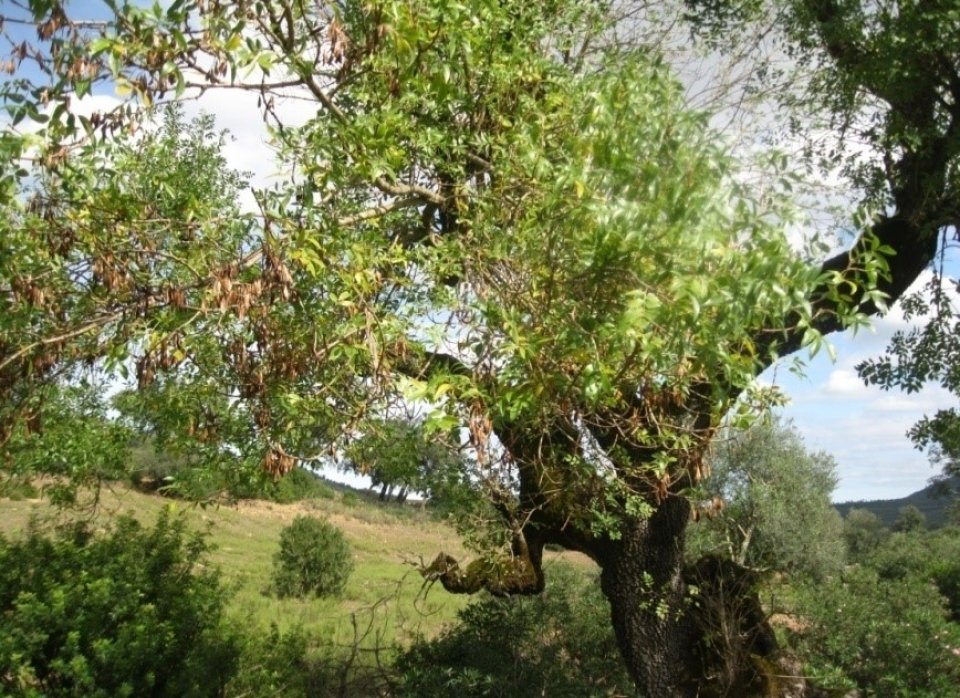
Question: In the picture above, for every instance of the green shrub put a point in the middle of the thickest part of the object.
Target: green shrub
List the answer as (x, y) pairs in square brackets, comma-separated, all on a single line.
[(559, 643), (863, 532), (945, 573), (298, 485), (17, 489), (130, 613), (350, 499), (933, 556), (314, 558), (277, 664), (888, 637)]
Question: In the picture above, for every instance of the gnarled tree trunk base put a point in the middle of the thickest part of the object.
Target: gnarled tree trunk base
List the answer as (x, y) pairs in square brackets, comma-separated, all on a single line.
[(695, 631)]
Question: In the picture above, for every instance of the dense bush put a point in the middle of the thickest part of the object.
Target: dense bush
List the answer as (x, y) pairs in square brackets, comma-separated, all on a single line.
[(889, 638), (556, 644), (776, 512), (297, 485), (130, 613), (863, 532), (314, 558), (909, 518), (933, 556), (275, 664)]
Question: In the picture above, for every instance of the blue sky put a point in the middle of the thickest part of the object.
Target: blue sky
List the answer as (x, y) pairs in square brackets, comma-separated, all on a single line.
[(863, 427)]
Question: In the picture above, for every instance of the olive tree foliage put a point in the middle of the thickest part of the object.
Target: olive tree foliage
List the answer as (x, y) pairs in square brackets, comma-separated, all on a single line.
[(767, 503), (863, 532), (498, 209), (909, 518)]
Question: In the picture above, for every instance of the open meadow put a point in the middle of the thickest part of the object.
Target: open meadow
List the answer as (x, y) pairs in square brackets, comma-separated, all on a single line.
[(385, 606)]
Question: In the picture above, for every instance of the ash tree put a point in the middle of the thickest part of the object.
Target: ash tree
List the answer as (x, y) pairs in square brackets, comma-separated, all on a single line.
[(505, 210)]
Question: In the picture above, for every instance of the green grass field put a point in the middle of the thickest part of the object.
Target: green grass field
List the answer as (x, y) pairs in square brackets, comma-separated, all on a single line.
[(385, 605), (384, 586)]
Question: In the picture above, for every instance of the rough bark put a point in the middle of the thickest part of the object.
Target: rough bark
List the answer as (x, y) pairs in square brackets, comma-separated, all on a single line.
[(714, 643), (642, 577)]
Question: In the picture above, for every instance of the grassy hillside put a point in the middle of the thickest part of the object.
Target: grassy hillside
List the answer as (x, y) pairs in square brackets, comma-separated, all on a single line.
[(385, 604), (930, 500), (384, 540)]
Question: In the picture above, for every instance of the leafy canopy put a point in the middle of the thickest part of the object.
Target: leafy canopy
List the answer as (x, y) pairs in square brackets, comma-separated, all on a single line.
[(768, 503), (523, 233)]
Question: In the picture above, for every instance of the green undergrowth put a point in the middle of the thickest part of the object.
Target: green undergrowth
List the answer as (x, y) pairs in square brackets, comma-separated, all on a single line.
[(336, 646), (348, 640)]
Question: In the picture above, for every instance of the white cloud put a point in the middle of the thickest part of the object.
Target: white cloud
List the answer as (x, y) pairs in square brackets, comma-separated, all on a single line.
[(248, 148), (844, 383), (863, 427)]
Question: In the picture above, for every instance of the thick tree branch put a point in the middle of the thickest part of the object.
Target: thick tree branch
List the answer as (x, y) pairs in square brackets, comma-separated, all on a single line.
[(918, 180), (915, 247)]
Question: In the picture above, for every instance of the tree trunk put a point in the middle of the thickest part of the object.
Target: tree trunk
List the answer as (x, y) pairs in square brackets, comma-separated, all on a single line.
[(642, 578), (714, 644)]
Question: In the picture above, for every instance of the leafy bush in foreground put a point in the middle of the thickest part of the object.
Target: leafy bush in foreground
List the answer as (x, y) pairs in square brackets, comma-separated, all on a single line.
[(890, 638), (314, 558), (933, 555), (276, 664), (556, 644), (131, 613)]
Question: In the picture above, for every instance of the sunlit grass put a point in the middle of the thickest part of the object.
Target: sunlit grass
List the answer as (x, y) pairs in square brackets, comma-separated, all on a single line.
[(384, 600), (384, 607)]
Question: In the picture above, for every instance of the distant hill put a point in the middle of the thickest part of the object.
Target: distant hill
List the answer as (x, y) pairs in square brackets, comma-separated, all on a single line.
[(931, 500)]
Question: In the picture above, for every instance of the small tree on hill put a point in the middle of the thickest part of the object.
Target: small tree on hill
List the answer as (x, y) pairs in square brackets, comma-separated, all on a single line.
[(863, 532), (400, 456), (909, 518)]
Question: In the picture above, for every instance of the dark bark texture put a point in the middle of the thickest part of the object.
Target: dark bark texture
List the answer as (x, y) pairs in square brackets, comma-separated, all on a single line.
[(642, 577)]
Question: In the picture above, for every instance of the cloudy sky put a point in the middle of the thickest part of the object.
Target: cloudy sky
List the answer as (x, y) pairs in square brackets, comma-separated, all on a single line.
[(864, 428)]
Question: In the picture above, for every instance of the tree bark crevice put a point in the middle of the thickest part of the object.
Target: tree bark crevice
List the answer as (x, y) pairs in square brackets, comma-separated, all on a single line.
[(642, 577)]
